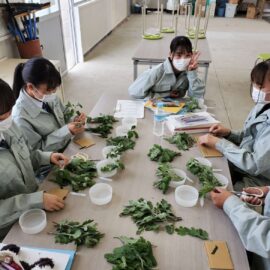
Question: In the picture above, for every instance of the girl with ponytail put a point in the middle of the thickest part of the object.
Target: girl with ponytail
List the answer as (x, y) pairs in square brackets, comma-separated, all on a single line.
[(38, 111)]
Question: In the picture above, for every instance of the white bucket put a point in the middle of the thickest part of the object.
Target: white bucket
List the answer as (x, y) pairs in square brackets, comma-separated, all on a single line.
[(230, 10)]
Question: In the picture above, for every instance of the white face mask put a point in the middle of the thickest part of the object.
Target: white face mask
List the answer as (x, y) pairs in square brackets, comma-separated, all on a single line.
[(181, 64), (258, 95), (49, 98), (5, 124)]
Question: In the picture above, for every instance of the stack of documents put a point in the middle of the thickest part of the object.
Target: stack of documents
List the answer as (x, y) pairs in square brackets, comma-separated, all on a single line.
[(129, 108), (191, 123)]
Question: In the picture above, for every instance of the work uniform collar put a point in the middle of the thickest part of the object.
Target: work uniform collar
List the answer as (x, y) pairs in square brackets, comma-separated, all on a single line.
[(32, 106)]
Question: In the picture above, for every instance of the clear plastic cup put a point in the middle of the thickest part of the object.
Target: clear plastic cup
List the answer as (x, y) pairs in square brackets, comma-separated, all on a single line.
[(100, 194)]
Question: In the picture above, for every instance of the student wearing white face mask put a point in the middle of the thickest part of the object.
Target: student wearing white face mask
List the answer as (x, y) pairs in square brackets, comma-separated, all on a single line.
[(39, 112), (173, 78), (248, 150), (19, 190)]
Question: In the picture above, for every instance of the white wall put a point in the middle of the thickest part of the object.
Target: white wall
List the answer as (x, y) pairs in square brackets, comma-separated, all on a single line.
[(95, 19)]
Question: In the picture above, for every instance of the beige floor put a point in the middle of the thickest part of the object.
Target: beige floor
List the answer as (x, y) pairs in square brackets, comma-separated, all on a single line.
[(234, 44)]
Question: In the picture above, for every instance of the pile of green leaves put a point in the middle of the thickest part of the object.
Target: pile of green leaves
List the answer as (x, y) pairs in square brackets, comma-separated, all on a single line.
[(183, 141), (191, 105), (124, 143), (148, 217), (134, 254), (166, 174), (71, 110), (78, 174), (199, 233), (205, 175), (63, 178), (157, 153), (103, 125), (112, 166), (85, 233)]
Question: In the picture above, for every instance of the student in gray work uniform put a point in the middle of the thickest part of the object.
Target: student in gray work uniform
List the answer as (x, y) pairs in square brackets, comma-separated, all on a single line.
[(38, 111), (248, 150), (253, 228), (173, 78), (19, 189)]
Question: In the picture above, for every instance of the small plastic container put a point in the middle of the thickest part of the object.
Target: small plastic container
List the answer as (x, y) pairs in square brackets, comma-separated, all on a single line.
[(186, 196), (230, 10), (33, 221), (222, 179), (100, 194), (103, 163), (180, 173), (106, 150), (122, 130), (129, 122), (204, 161)]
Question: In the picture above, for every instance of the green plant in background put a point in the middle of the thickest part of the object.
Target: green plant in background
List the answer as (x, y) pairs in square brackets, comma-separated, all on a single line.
[(124, 143), (71, 110), (134, 254), (148, 217), (183, 141), (166, 174), (102, 130), (199, 233), (191, 104), (84, 233), (157, 153), (205, 175), (102, 119)]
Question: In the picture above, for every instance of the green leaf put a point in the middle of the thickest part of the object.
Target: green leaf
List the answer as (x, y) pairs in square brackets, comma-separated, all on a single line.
[(199, 233)]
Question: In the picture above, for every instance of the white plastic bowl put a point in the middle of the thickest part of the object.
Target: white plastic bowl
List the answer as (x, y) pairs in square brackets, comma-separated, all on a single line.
[(103, 163), (100, 194), (186, 196), (106, 150), (129, 122), (204, 161), (222, 179), (122, 130), (180, 173), (33, 221)]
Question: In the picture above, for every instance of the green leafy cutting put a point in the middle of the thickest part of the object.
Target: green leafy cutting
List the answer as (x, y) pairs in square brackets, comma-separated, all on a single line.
[(199, 233), (134, 254), (63, 178), (148, 217), (124, 143), (191, 105), (183, 141), (166, 174), (157, 153), (205, 175), (71, 110), (84, 233), (103, 125), (112, 166), (78, 174)]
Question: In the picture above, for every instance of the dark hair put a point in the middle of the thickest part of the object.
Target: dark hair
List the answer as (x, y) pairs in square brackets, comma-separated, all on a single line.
[(181, 43), (259, 72), (7, 99), (36, 71)]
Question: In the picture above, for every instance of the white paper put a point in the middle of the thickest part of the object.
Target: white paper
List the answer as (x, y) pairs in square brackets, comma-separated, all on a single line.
[(129, 108), (30, 256)]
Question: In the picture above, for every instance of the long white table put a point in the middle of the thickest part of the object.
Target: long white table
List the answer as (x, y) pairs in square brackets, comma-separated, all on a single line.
[(136, 181), (153, 52)]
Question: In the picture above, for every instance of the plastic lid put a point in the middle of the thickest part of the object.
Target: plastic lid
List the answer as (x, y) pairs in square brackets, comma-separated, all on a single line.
[(100, 194)]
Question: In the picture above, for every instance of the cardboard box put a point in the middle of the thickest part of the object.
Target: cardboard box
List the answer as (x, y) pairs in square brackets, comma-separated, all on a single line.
[(252, 12)]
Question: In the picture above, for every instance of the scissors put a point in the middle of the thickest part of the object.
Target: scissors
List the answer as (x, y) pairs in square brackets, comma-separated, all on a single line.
[(245, 195)]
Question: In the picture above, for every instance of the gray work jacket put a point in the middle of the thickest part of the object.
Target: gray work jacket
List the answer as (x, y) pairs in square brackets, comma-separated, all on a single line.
[(44, 131), (249, 149), (18, 190), (161, 80), (253, 229)]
